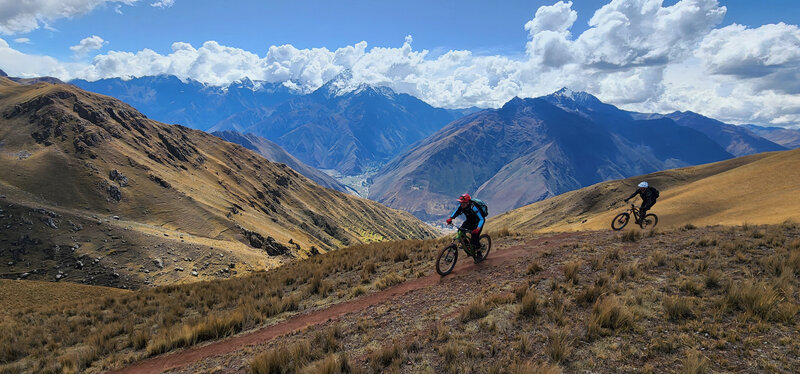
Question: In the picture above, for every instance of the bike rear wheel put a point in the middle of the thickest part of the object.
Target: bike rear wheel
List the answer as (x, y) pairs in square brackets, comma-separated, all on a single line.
[(620, 221), (649, 221), (447, 260), (486, 246)]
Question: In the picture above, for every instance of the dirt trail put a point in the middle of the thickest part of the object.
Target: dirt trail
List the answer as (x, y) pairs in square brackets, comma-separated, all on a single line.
[(299, 322)]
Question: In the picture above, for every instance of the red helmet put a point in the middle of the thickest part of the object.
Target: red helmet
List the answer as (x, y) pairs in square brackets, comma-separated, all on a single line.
[(465, 198)]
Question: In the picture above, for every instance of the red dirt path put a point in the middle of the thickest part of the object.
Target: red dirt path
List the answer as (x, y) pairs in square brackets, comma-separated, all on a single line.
[(299, 322)]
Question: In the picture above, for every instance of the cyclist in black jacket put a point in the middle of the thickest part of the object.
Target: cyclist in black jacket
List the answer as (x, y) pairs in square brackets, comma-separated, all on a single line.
[(649, 195)]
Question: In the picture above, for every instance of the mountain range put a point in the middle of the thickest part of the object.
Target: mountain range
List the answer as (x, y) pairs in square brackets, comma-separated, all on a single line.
[(343, 126), (92, 191), (190, 103), (789, 138), (532, 149)]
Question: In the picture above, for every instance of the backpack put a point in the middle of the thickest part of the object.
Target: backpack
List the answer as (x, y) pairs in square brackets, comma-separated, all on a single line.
[(482, 207), (655, 192)]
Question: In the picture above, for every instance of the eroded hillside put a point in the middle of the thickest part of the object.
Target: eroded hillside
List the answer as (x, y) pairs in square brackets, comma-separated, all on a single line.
[(94, 192)]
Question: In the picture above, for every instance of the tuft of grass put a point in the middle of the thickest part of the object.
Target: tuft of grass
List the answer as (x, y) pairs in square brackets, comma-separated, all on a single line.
[(589, 294), (678, 307), (631, 236), (571, 270), (713, 279), (389, 280), (386, 356), (757, 298), (475, 310), (559, 344), (534, 268), (658, 258), (529, 305), (691, 287), (694, 363), (332, 364), (282, 360), (609, 314), (688, 227)]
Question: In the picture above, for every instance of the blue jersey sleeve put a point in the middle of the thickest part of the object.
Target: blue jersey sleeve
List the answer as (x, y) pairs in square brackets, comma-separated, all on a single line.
[(480, 216)]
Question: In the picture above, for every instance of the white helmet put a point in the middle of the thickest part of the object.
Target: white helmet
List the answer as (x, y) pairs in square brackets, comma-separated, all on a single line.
[(643, 185)]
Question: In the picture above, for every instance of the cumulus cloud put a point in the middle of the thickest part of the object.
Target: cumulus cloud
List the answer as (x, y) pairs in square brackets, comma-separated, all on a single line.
[(24, 16), (637, 54), (87, 45), (163, 3)]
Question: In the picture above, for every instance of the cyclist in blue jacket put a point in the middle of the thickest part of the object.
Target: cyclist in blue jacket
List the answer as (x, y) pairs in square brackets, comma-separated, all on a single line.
[(474, 219)]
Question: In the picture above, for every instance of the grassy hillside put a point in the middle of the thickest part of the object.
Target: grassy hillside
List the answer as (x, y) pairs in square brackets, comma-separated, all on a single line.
[(94, 192), (691, 299), (756, 189)]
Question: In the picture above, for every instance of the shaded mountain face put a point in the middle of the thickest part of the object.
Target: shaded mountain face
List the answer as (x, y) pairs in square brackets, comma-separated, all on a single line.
[(93, 191), (531, 149), (789, 138), (737, 140), (166, 98), (275, 153), (348, 131)]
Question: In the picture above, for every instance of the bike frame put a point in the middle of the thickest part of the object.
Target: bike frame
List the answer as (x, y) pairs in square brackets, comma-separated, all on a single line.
[(463, 239)]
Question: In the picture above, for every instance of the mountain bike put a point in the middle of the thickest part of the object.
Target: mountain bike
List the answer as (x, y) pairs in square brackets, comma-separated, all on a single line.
[(649, 221), (446, 261)]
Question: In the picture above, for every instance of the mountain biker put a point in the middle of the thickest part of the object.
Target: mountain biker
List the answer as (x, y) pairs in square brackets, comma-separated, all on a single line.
[(649, 195), (474, 220)]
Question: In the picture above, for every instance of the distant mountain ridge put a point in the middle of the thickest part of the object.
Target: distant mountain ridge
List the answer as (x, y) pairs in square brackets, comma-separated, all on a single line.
[(531, 149), (737, 140), (789, 138), (168, 99), (344, 126)]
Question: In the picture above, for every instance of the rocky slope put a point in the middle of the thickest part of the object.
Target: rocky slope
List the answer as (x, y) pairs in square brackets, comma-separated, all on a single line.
[(93, 191), (275, 153)]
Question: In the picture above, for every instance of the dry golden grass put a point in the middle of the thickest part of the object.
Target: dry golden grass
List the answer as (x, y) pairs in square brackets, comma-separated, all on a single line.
[(17, 295), (646, 306), (758, 189), (158, 320)]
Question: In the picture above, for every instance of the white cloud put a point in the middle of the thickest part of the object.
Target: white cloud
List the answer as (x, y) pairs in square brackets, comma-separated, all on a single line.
[(87, 45), (22, 41), (18, 64), (637, 54), (23, 16), (163, 3)]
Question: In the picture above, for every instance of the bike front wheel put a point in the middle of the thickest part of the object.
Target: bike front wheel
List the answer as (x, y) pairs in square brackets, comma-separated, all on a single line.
[(447, 260), (486, 246), (620, 221), (649, 221)]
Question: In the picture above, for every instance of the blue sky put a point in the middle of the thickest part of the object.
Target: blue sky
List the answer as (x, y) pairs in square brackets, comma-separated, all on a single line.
[(483, 27), (735, 60)]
